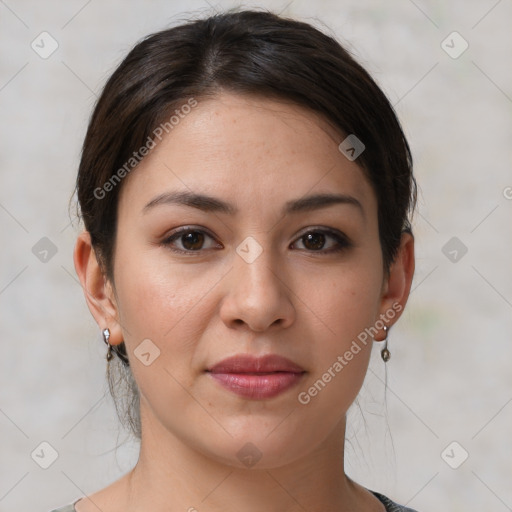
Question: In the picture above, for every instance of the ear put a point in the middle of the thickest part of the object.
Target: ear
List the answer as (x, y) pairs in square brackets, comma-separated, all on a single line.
[(397, 284), (98, 291)]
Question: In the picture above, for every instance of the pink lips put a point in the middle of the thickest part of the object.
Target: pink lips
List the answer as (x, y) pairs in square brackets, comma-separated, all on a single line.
[(257, 377)]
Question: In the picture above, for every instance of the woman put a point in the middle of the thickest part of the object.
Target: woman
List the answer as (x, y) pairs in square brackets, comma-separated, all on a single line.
[(245, 188)]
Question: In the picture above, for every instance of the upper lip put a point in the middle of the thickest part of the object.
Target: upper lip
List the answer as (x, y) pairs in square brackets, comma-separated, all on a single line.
[(245, 363)]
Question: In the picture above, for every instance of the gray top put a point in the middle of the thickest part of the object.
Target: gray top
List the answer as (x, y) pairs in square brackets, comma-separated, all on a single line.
[(66, 508), (391, 506)]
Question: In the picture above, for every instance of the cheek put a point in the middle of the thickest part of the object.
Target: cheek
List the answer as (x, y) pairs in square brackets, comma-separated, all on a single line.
[(341, 357), (164, 302), (152, 295), (159, 303), (353, 299), (343, 346)]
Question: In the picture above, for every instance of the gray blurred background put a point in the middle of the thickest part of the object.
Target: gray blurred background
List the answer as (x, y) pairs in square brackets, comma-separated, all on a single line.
[(439, 437)]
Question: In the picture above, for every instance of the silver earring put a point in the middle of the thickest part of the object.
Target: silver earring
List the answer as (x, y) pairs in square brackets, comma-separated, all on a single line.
[(384, 353), (106, 337)]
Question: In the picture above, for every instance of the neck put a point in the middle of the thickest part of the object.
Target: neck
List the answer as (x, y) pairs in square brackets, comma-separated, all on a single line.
[(171, 476)]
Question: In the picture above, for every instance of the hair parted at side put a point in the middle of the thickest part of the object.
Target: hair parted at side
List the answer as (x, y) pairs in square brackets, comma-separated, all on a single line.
[(248, 52)]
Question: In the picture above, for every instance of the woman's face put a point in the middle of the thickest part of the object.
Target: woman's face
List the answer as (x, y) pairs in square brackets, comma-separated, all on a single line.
[(269, 273)]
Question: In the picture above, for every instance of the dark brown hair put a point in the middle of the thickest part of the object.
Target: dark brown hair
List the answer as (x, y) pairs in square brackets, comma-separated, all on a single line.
[(248, 52)]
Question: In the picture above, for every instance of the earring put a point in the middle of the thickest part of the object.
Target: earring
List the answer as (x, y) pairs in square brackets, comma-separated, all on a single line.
[(384, 353), (106, 337)]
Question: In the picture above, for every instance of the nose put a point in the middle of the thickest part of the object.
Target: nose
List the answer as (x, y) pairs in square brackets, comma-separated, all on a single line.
[(257, 294)]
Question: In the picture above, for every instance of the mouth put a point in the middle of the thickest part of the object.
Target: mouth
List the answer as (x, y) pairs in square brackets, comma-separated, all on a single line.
[(257, 378)]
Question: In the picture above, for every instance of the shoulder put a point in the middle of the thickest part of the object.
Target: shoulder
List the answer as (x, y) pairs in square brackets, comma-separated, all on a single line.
[(390, 505)]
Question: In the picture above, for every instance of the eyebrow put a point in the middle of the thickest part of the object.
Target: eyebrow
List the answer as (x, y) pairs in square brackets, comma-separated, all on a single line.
[(212, 204)]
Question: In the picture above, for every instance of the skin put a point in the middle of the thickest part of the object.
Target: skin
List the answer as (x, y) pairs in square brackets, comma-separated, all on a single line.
[(202, 307)]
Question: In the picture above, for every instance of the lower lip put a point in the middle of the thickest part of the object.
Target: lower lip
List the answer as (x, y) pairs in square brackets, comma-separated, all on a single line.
[(259, 386)]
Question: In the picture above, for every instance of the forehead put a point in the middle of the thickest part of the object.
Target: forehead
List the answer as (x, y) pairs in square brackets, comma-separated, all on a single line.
[(251, 151)]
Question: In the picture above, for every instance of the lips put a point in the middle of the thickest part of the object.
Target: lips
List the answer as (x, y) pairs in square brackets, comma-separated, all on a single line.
[(245, 363), (256, 377)]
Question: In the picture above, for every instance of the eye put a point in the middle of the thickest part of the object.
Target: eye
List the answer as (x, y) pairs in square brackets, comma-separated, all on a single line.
[(191, 240), (315, 239)]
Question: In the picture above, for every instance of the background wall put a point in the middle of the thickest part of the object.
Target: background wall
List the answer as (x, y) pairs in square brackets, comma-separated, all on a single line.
[(449, 393)]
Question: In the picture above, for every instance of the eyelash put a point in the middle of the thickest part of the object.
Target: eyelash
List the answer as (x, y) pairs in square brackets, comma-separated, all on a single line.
[(342, 240)]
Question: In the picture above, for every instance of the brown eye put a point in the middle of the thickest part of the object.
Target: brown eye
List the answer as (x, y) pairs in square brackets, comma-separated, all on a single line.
[(315, 240), (191, 240)]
